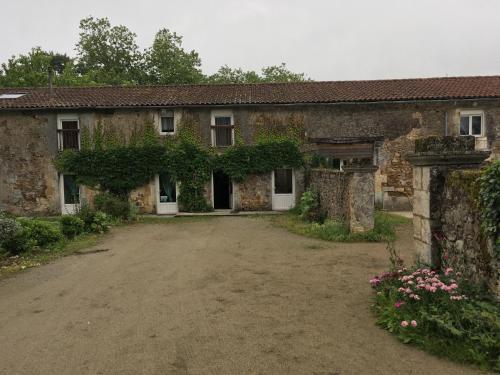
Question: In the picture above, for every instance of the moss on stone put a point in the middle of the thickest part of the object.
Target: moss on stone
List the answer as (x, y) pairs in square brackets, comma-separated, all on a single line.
[(445, 144)]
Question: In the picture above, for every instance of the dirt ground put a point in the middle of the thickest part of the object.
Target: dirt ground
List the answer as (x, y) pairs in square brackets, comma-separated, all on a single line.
[(227, 295)]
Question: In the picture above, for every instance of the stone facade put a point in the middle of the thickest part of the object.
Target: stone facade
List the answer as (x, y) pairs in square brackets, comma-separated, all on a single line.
[(28, 141), (254, 194)]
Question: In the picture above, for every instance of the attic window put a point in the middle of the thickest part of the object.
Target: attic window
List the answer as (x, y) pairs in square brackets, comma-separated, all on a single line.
[(11, 96)]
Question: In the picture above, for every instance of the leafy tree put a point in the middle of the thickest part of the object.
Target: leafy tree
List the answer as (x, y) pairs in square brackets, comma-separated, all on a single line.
[(276, 73), (32, 69), (167, 62), (108, 55)]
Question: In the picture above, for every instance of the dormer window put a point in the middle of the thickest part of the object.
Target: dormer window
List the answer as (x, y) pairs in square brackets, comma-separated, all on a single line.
[(167, 122), (68, 129), (472, 123)]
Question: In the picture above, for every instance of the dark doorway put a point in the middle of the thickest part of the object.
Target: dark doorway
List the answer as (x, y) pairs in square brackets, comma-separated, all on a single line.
[(222, 191)]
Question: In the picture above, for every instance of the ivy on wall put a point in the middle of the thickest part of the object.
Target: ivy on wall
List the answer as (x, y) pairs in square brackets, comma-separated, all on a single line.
[(489, 201), (113, 164)]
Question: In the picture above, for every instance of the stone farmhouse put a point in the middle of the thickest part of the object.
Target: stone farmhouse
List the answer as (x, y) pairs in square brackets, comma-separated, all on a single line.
[(377, 120)]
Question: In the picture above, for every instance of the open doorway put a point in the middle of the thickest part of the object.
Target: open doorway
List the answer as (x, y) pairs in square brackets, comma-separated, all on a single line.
[(222, 191)]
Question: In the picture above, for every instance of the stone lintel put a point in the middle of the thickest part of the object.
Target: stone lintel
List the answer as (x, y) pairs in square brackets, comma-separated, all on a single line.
[(360, 169), (472, 158)]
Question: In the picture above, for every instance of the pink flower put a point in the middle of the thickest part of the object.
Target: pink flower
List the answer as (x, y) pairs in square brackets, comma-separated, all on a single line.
[(448, 271), (413, 323), (398, 304), (453, 286), (432, 289), (404, 323)]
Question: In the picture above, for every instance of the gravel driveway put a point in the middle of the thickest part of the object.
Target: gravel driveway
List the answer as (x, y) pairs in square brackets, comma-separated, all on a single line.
[(226, 295)]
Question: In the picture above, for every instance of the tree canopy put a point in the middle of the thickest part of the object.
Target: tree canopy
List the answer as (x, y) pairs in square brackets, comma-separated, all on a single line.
[(110, 55)]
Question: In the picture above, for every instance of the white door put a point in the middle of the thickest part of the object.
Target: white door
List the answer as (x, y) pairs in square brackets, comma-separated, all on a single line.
[(283, 180), (69, 191), (166, 195)]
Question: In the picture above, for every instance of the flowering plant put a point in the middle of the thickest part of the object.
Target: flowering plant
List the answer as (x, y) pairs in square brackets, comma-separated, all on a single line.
[(434, 310)]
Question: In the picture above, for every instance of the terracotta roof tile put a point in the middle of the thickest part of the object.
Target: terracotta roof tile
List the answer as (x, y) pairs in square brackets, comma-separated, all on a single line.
[(267, 93)]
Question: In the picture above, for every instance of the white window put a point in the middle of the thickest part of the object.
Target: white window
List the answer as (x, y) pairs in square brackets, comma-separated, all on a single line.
[(222, 125), (472, 123), (167, 122), (68, 130)]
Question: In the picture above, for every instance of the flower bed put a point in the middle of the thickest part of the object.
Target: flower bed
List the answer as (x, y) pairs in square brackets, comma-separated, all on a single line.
[(439, 312)]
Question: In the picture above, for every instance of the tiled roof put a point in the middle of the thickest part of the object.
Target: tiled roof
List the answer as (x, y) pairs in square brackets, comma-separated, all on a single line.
[(267, 93)]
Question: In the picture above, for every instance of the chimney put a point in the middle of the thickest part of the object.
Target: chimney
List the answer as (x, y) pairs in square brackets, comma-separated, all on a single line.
[(50, 74)]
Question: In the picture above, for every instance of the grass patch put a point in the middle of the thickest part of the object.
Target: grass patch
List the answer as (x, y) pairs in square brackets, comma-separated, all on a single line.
[(330, 230), (37, 257)]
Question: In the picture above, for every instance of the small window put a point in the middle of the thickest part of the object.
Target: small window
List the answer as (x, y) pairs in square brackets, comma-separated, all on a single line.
[(222, 130), (283, 181), (69, 134), (471, 123), (71, 190), (167, 124), (168, 192)]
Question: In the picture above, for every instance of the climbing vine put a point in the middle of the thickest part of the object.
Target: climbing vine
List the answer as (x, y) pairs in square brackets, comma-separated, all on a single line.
[(116, 165), (489, 201)]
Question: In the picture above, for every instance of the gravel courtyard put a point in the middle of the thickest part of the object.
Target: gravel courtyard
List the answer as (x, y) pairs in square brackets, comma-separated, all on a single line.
[(225, 295)]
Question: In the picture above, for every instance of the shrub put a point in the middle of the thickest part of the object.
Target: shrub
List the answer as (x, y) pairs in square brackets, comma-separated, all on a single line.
[(309, 207), (41, 232), (434, 311), (94, 221), (72, 226), (13, 237), (100, 223), (113, 206)]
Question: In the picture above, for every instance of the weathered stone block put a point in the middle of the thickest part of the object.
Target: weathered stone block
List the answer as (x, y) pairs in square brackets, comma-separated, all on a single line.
[(421, 203)]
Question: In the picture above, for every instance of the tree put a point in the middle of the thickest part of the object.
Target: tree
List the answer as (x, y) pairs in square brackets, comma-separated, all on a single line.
[(32, 69), (276, 73), (167, 62), (108, 55)]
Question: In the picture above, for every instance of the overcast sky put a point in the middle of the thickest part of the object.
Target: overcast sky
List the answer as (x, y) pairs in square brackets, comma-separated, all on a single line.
[(326, 39)]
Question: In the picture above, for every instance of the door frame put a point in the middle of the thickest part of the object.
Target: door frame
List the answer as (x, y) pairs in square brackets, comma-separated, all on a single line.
[(231, 195), (273, 194), (169, 208), (68, 209)]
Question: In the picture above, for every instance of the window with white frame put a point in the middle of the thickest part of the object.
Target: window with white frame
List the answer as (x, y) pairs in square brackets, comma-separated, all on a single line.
[(471, 123), (167, 122), (222, 125), (68, 130)]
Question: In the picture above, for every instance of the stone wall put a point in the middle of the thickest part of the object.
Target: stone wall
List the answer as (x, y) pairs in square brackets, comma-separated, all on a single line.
[(333, 190), (347, 196), (463, 244)]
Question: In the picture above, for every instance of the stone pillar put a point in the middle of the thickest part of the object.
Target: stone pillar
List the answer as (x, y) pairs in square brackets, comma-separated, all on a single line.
[(361, 196), (432, 159)]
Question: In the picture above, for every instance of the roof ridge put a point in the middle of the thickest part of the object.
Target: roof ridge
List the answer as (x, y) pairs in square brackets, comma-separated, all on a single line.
[(250, 84)]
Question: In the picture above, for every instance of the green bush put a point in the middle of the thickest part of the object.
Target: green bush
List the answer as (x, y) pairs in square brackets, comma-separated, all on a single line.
[(94, 221), (309, 207), (114, 206), (100, 223), (14, 238), (434, 311), (72, 226), (41, 232)]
